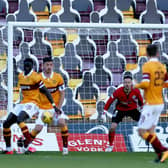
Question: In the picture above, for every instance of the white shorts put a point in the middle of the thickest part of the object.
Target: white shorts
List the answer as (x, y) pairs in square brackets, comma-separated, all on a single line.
[(30, 108), (150, 116), (55, 117)]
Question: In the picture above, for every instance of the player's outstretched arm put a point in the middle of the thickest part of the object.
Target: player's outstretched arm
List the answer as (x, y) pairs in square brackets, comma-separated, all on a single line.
[(45, 91)]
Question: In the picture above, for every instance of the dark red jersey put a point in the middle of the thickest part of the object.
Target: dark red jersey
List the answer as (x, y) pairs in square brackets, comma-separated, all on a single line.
[(125, 102)]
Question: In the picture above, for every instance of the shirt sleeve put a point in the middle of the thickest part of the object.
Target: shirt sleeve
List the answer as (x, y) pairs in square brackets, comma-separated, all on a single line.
[(110, 101), (145, 78)]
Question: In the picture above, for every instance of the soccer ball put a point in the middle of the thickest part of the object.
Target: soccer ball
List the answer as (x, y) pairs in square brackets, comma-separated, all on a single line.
[(47, 117)]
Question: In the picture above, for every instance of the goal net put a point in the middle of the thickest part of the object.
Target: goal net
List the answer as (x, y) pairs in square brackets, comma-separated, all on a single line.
[(91, 59)]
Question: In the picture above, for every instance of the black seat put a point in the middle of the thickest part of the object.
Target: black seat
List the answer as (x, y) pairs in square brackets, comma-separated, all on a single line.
[(3, 9)]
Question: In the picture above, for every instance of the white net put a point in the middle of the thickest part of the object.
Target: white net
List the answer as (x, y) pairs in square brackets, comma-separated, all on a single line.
[(91, 61)]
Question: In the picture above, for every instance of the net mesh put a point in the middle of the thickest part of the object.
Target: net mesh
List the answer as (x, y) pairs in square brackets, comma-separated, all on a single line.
[(91, 62)]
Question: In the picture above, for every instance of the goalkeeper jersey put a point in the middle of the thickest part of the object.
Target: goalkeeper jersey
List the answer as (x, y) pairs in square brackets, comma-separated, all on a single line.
[(54, 84), (125, 102), (154, 79), (29, 85)]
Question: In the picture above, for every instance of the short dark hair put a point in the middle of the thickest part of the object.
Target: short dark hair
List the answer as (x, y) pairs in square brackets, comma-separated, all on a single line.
[(47, 59), (152, 50), (127, 74), (28, 60)]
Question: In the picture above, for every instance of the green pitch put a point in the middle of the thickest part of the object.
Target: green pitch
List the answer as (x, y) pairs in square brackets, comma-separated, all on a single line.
[(81, 160)]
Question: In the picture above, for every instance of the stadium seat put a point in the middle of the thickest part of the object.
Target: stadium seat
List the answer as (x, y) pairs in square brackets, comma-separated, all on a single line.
[(84, 7), (138, 74), (56, 37), (143, 38), (128, 8), (18, 35), (128, 47), (164, 42), (71, 107), (3, 9), (67, 14), (86, 48), (3, 52), (110, 14), (71, 62), (115, 62), (24, 52), (140, 7), (23, 14), (101, 75), (163, 6), (152, 14), (99, 36), (42, 9), (58, 68), (13, 5), (87, 90), (40, 47)]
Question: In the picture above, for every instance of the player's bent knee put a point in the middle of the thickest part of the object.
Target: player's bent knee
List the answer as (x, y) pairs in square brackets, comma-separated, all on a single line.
[(113, 126), (61, 122), (38, 128), (12, 118), (22, 117)]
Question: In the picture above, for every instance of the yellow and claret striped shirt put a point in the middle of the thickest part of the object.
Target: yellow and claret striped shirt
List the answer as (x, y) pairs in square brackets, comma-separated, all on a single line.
[(154, 79), (54, 84), (29, 85)]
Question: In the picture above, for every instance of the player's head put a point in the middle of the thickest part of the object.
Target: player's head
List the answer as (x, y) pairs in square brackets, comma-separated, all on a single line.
[(47, 65), (28, 65), (127, 80), (152, 50)]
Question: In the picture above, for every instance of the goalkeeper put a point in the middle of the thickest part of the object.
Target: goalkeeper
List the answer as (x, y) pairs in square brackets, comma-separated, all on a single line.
[(128, 102), (31, 86), (55, 84)]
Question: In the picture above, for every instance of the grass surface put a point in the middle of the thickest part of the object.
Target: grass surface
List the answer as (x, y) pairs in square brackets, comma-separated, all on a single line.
[(81, 160)]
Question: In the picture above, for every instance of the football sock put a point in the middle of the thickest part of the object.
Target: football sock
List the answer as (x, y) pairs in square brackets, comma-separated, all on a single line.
[(26, 134), (64, 133), (155, 142), (33, 134), (7, 136), (111, 137)]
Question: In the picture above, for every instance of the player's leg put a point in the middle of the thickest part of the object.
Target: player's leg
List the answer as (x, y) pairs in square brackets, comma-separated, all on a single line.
[(115, 120), (21, 122), (11, 119), (64, 133), (146, 130)]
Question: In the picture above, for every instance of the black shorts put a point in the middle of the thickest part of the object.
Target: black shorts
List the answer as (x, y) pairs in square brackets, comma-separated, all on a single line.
[(119, 115)]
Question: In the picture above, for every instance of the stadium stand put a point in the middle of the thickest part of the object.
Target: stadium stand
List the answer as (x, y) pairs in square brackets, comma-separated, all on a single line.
[(84, 8), (101, 75), (99, 36), (115, 62), (42, 9), (163, 6), (111, 14), (152, 14), (3, 9), (56, 37), (85, 48), (67, 14), (23, 14), (58, 68), (72, 107)]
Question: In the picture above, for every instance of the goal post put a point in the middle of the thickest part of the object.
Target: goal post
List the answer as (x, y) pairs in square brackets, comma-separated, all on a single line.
[(91, 58)]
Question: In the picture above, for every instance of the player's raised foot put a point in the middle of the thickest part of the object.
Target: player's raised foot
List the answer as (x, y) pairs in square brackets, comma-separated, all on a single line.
[(109, 149), (7, 152), (164, 156), (65, 151)]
